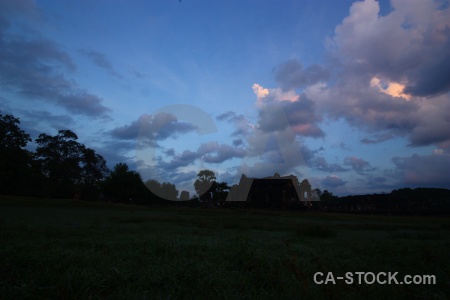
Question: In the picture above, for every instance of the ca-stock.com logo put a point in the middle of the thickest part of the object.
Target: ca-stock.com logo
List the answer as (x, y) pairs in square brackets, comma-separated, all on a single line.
[(259, 155)]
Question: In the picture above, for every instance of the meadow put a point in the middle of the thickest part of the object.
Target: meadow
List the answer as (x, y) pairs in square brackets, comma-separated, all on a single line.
[(68, 249)]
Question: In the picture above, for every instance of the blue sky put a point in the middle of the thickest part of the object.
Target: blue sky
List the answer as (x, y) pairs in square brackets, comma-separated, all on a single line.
[(352, 95)]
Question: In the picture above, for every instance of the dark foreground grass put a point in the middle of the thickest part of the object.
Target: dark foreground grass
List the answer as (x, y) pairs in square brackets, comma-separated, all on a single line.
[(63, 249)]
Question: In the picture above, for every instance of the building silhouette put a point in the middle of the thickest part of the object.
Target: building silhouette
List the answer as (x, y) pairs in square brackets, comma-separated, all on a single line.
[(270, 192)]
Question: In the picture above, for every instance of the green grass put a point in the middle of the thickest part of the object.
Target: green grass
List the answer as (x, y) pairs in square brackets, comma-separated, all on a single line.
[(65, 249)]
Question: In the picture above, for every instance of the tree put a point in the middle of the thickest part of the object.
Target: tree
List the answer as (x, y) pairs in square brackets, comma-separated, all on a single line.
[(70, 167), (328, 199), (93, 171), (12, 138), (203, 185), (220, 192), (15, 161), (154, 187), (184, 196), (59, 157), (169, 191), (124, 185)]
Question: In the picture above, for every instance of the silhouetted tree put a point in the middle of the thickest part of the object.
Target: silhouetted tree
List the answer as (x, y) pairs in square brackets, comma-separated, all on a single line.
[(164, 191), (70, 167), (15, 161), (169, 191), (220, 192), (93, 171), (59, 157), (203, 185), (328, 199), (124, 185), (184, 196), (154, 187)]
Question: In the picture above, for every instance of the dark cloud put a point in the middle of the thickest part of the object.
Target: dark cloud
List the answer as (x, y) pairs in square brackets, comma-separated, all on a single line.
[(358, 164), (100, 61), (186, 158), (34, 117), (264, 169), (300, 116), (410, 44), (377, 138), (153, 128), (239, 122), (218, 153), (303, 118), (272, 118), (229, 115), (427, 171), (321, 164), (291, 75), (170, 152), (422, 121), (138, 74), (270, 152), (211, 152), (332, 182), (238, 142), (21, 7), (117, 151), (32, 66), (391, 72), (432, 79)]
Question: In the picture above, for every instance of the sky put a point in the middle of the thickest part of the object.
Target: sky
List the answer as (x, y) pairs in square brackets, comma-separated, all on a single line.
[(352, 95)]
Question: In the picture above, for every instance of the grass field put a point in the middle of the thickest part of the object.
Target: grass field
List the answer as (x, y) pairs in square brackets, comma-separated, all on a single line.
[(65, 249)]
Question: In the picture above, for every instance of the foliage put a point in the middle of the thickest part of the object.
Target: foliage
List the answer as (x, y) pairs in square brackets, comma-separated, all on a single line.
[(184, 196), (164, 191), (124, 185), (93, 171), (15, 161), (70, 167), (204, 184), (220, 192), (12, 138)]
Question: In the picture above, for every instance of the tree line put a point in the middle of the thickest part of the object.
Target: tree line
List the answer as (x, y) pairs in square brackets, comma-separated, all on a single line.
[(62, 167)]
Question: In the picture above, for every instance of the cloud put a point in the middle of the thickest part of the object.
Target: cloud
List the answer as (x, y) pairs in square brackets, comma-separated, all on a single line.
[(393, 89), (408, 45), (56, 121), (186, 158), (390, 73), (211, 152), (270, 152), (238, 142), (424, 170), (272, 144), (154, 128), (221, 152), (117, 151), (229, 115), (377, 138), (266, 96), (321, 164), (170, 152), (291, 75), (33, 66), (100, 61), (358, 164), (240, 122), (259, 91), (332, 181), (279, 110)]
